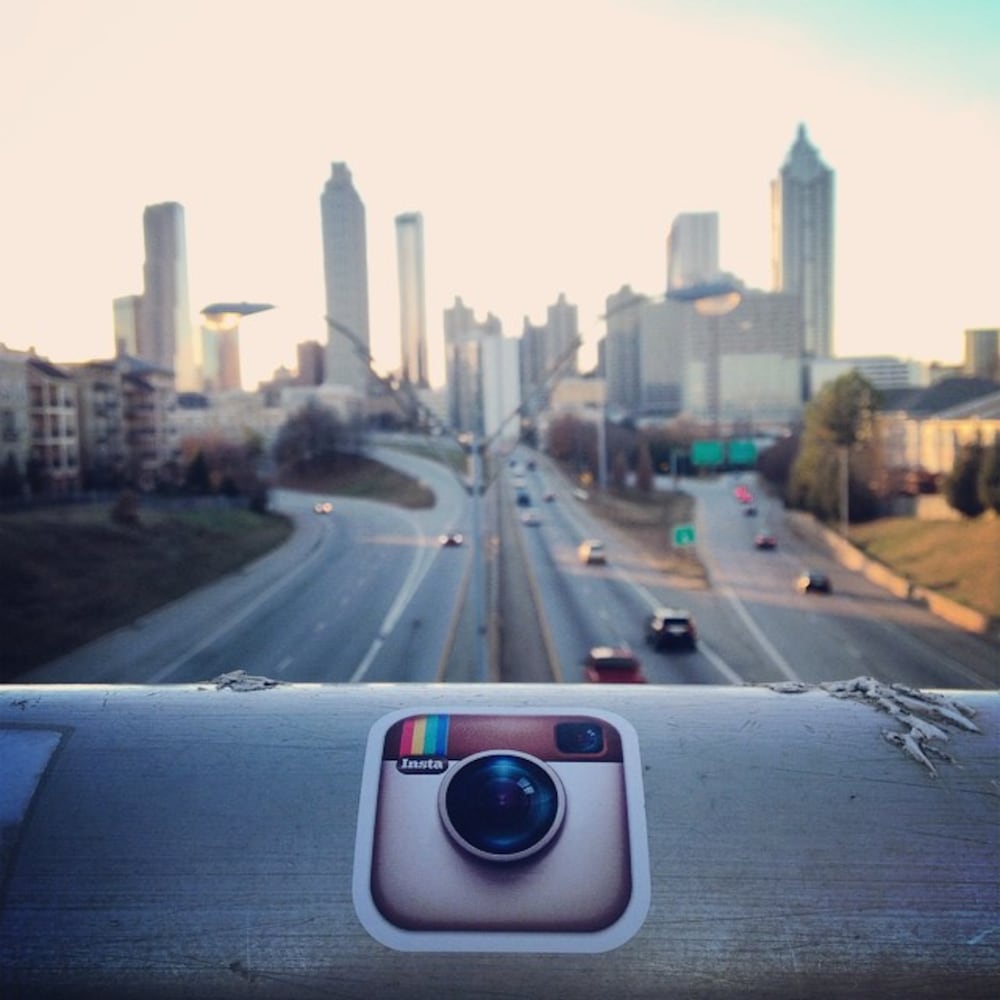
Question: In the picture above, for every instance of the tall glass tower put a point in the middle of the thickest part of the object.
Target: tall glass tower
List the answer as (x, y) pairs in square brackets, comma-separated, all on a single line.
[(802, 203), (412, 313), (345, 270), (165, 334), (692, 249)]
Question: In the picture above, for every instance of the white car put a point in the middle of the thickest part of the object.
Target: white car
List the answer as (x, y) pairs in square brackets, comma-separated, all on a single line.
[(591, 552)]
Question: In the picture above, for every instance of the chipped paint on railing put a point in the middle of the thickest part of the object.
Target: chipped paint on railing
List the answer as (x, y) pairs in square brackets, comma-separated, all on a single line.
[(240, 680), (925, 716)]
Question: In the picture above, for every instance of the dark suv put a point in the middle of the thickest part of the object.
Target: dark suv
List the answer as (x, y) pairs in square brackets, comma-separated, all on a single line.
[(671, 627)]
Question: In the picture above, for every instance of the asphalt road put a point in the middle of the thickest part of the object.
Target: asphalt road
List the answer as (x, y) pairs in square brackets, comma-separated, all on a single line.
[(367, 593), (754, 626)]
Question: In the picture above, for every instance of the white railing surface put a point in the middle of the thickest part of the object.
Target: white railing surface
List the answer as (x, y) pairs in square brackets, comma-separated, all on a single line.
[(241, 838)]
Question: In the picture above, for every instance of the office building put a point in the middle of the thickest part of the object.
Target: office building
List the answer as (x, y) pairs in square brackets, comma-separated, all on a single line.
[(127, 315), (982, 353), (664, 357), (311, 363), (692, 249), (412, 313), (345, 272), (482, 373), (802, 224), (165, 336), (621, 349), (547, 351)]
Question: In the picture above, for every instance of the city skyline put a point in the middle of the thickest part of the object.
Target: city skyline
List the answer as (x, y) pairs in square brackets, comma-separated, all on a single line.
[(573, 184)]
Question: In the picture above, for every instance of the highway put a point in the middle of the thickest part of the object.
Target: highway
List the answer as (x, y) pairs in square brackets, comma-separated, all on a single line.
[(367, 593), (754, 627)]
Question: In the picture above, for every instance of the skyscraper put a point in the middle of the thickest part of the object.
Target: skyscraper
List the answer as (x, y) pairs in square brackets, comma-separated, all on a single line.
[(802, 204), (692, 249), (345, 271), (412, 315), (165, 335)]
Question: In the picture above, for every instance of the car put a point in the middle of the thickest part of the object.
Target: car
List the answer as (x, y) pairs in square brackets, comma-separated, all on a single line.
[(451, 539), (613, 665), (813, 582), (323, 507), (591, 552), (581, 494), (548, 496), (523, 499), (671, 627), (765, 541), (750, 511), (530, 518)]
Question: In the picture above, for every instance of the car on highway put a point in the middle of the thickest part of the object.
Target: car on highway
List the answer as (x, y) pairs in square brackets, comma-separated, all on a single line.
[(750, 511), (548, 496), (591, 552), (531, 519), (763, 540), (613, 665), (323, 507), (451, 539), (813, 582), (671, 628), (523, 499)]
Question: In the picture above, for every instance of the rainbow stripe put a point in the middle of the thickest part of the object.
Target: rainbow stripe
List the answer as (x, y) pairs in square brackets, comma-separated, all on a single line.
[(424, 736)]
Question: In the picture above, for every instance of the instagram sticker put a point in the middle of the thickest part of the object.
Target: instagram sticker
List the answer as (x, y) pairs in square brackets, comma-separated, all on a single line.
[(502, 831)]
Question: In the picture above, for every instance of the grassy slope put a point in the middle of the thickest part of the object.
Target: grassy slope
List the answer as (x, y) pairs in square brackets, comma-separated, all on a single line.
[(959, 559), (68, 575)]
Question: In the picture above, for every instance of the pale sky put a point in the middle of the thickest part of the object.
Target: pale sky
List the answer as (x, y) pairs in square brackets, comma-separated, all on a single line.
[(548, 145)]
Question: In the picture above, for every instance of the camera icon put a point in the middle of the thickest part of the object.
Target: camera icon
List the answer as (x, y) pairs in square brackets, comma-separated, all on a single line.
[(502, 831)]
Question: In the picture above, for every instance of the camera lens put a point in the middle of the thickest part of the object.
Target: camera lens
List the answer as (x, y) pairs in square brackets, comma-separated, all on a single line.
[(579, 737), (502, 806)]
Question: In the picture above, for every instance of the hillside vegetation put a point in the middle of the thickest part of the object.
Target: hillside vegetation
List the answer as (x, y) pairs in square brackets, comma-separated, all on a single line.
[(959, 559)]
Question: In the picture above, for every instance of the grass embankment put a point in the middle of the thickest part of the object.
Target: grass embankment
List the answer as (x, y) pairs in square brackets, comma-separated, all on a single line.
[(70, 574), (958, 559), (364, 479)]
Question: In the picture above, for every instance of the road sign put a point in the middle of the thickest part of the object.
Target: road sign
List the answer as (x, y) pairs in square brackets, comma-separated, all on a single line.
[(683, 535), (706, 453), (742, 451)]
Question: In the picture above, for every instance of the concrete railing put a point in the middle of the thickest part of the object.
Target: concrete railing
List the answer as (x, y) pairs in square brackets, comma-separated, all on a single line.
[(242, 838)]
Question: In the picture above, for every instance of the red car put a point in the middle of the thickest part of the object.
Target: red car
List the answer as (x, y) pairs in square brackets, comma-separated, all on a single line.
[(613, 665)]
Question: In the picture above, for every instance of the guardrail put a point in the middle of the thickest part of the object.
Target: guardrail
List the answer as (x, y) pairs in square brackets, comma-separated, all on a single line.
[(242, 838)]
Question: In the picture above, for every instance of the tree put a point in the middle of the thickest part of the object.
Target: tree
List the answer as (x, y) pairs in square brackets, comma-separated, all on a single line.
[(644, 467), (989, 476), (619, 470), (961, 487), (310, 439), (11, 483), (196, 478), (839, 427), (775, 463)]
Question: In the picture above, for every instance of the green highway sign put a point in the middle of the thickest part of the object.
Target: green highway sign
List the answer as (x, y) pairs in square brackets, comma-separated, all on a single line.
[(742, 451), (706, 453), (683, 535)]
